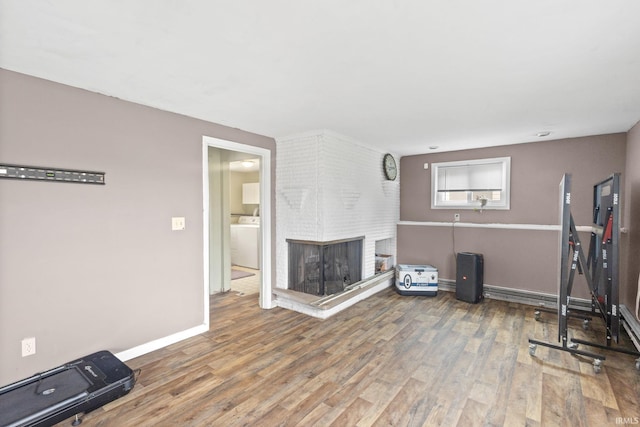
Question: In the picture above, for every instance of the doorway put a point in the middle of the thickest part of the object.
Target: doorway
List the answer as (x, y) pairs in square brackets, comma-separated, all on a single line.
[(217, 215), (244, 204)]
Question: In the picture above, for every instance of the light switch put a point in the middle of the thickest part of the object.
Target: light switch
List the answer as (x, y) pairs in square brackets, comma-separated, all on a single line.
[(177, 223)]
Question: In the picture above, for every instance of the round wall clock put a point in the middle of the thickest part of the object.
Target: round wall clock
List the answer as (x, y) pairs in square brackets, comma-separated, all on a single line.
[(389, 166)]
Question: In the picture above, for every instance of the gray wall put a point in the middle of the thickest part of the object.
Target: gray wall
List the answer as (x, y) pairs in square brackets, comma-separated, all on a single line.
[(83, 267), (520, 259), (631, 215)]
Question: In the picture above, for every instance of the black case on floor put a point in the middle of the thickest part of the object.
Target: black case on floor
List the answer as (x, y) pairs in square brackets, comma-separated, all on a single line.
[(469, 277), (55, 395)]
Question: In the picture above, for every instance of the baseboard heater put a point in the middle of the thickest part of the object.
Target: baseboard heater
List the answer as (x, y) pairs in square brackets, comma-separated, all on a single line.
[(539, 299), (631, 325)]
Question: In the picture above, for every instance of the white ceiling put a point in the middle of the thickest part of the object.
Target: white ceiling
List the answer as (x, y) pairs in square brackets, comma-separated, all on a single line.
[(398, 75)]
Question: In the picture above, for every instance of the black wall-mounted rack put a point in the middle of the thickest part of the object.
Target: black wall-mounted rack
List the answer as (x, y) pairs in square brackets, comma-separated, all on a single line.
[(40, 173)]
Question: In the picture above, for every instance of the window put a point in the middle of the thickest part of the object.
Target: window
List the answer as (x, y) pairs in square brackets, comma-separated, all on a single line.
[(471, 184)]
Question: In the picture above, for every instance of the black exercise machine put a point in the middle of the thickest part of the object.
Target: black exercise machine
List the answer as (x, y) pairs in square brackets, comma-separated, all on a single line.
[(77, 387)]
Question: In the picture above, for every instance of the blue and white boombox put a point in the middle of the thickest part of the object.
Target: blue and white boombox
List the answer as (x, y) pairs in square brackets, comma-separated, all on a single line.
[(417, 280)]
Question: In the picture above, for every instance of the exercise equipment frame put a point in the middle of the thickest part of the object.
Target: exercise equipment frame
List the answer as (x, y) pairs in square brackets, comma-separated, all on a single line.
[(600, 269)]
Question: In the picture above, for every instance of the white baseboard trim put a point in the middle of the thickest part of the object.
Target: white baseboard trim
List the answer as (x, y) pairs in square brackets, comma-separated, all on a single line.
[(160, 343)]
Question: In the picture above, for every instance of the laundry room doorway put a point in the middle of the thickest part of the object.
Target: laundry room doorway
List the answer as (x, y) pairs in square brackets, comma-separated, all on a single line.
[(236, 205), (244, 204)]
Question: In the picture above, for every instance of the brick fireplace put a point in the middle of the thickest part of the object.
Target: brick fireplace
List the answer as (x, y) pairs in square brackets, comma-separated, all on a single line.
[(330, 188)]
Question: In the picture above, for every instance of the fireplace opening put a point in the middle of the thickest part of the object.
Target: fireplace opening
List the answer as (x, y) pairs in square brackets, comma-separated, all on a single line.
[(324, 268)]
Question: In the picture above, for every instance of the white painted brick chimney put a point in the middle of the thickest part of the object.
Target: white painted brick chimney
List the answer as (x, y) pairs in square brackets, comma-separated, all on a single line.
[(330, 187)]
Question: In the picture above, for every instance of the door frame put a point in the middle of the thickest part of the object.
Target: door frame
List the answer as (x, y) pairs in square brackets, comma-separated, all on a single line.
[(265, 300)]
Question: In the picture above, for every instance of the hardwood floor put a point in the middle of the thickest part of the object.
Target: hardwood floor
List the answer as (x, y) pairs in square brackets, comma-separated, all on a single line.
[(389, 360)]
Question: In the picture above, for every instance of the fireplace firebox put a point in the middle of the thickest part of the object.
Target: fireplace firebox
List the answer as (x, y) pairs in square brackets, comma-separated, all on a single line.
[(324, 268)]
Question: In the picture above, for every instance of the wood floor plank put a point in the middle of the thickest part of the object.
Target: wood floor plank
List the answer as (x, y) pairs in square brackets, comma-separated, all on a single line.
[(473, 414), (625, 385), (597, 415), (402, 409), (438, 413), (388, 360), (598, 388), (378, 394), (535, 390), (563, 405), (518, 395)]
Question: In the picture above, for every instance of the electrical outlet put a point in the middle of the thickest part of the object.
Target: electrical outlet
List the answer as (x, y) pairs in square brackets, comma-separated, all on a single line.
[(456, 217), (28, 346), (177, 223)]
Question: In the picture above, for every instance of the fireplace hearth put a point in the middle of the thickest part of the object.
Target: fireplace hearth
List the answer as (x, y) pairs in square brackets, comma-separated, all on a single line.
[(324, 268)]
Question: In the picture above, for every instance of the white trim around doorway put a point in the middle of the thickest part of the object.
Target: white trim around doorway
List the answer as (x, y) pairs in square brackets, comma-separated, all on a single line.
[(266, 300)]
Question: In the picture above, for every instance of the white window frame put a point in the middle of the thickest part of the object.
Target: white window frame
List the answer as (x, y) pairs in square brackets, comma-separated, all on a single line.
[(505, 197)]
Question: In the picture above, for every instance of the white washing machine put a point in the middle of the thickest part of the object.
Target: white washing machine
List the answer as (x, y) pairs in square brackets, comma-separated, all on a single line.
[(245, 242)]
